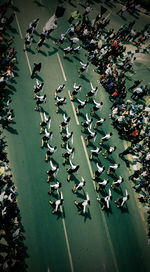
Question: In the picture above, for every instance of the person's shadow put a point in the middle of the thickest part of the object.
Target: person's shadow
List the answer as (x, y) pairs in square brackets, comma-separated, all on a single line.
[(54, 51), (39, 4)]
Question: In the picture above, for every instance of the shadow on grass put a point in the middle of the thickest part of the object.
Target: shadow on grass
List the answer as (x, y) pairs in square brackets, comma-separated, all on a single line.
[(55, 50), (39, 4)]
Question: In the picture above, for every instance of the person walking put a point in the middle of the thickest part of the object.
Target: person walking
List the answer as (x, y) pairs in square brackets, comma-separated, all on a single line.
[(77, 89), (113, 168), (96, 107), (57, 204), (28, 41), (81, 206), (60, 102), (84, 67), (99, 171), (51, 150), (101, 185), (38, 87), (105, 138), (105, 201), (95, 152), (109, 151), (80, 106), (92, 92), (87, 123), (64, 123), (40, 42), (59, 90), (45, 122), (40, 100), (99, 123), (122, 200), (54, 187), (69, 135), (52, 172), (79, 187), (73, 168), (92, 135), (48, 135), (117, 182), (67, 154)]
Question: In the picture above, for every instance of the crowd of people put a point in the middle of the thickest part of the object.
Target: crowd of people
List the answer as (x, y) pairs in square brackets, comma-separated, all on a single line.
[(107, 50), (13, 251)]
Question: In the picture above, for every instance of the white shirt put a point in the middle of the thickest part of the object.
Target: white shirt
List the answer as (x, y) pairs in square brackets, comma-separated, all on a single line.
[(98, 105), (107, 136), (115, 166), (99, 169), (85, 203), (120, 180), (55, 186), (82, 102)]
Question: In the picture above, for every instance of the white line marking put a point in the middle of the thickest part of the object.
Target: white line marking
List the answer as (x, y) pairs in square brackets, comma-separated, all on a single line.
[(147, 101), (19, 28), (28, 62), (103, 216), (41, 116), (67, 242), (62, 69), (74, 111)]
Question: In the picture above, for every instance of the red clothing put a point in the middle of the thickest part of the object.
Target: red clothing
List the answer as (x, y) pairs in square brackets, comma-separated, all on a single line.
[(134, 133)]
